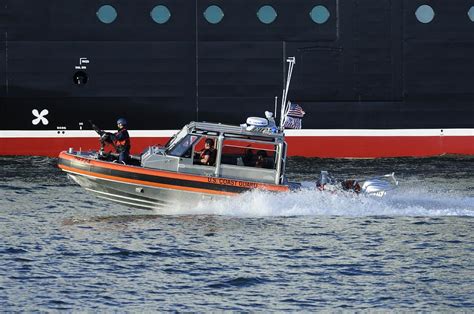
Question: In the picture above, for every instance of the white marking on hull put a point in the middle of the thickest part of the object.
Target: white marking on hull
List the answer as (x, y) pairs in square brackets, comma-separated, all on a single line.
[(121, 196), (127, 203)]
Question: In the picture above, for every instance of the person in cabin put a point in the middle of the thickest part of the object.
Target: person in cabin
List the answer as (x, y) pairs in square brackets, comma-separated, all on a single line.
[(208, 155), (121, 140), (248, 159), (262, 160)]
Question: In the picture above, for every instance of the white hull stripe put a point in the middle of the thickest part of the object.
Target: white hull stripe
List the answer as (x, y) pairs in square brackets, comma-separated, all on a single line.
[(122, 197), (124, 202), (289, 133)]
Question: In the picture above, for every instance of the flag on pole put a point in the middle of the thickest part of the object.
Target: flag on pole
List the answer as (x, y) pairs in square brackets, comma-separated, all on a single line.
[(292, 123), (295, 111), (293, 116)]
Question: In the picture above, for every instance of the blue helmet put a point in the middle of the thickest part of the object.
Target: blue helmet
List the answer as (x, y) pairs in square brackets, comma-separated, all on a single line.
[(122, 121)]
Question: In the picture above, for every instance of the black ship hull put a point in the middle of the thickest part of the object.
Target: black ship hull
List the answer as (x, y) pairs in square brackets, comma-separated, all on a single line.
[(374, 78)]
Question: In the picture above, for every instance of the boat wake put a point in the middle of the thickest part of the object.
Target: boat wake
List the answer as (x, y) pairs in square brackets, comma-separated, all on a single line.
[(401, 202)]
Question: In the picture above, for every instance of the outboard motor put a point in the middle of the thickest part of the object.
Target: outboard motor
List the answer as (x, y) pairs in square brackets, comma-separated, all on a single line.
[(379, 186), (376, 187), (324, 179)]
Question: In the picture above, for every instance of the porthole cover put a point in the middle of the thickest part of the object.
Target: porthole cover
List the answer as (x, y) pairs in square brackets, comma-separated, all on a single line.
[(470, 13), (213, 14), (425, 13), (266, 14), (319, 14), (106, 14), (160, 14)]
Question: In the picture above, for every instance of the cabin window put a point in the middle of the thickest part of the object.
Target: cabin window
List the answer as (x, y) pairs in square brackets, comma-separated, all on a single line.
[(213, 14), (424, 14), (266, 14), (470, 13), (185, 147), (243, 153), (319, 14), (160, 14), (106, 14)]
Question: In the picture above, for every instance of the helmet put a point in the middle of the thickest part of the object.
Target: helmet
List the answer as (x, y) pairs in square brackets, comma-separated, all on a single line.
[(122, 121)]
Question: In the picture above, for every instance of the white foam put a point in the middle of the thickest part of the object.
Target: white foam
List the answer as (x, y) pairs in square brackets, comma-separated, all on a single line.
[(401, 202)]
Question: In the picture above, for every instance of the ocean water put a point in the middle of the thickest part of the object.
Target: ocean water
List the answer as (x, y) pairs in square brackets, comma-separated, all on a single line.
[(63, 249)]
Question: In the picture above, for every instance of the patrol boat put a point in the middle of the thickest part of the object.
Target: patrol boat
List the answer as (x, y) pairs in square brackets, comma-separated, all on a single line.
[(247, 157), (164, 175)]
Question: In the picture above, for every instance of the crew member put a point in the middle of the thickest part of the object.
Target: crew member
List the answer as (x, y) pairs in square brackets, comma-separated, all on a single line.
[(262, 160), (248, 158), (122, 141), (208, 155)]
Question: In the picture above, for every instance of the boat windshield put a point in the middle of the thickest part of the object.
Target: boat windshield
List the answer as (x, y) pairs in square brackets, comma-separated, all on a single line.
[(184, 147), (176, 138)]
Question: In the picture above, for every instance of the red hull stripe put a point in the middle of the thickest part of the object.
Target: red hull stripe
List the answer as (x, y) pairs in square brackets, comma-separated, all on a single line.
[(300, 143)]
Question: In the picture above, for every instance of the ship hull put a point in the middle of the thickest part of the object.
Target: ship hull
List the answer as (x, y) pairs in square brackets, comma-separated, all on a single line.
[(376, 78)]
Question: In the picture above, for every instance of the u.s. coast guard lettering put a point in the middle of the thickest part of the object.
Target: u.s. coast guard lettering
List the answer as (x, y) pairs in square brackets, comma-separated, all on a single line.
[(231, 182)]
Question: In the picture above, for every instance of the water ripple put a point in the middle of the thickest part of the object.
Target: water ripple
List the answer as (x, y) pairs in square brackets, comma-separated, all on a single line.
[(62, 249), (239, 282)]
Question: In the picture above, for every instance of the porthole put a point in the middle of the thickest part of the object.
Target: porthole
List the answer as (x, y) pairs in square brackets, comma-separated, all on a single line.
[(106, 14), (213, 14), (319, 14), (266, 14), (470, 13), (424, 14), (160, 14)]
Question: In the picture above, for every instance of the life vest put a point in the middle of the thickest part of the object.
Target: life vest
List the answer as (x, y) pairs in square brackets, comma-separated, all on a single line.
[(212, 156), (124, 143)]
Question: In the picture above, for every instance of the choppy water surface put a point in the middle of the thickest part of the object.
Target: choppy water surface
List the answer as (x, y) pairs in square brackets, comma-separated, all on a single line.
[(62, 248)]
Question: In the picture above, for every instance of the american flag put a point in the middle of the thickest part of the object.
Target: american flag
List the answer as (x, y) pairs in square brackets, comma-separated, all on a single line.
[(295, 111), (292, 123)]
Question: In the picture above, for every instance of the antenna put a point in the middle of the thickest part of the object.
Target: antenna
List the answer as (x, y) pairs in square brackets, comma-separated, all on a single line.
[(276, 107), (291, 61)]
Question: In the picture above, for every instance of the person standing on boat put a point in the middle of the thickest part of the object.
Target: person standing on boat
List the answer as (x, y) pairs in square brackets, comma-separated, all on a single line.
[(208, 155), (122, 141)]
